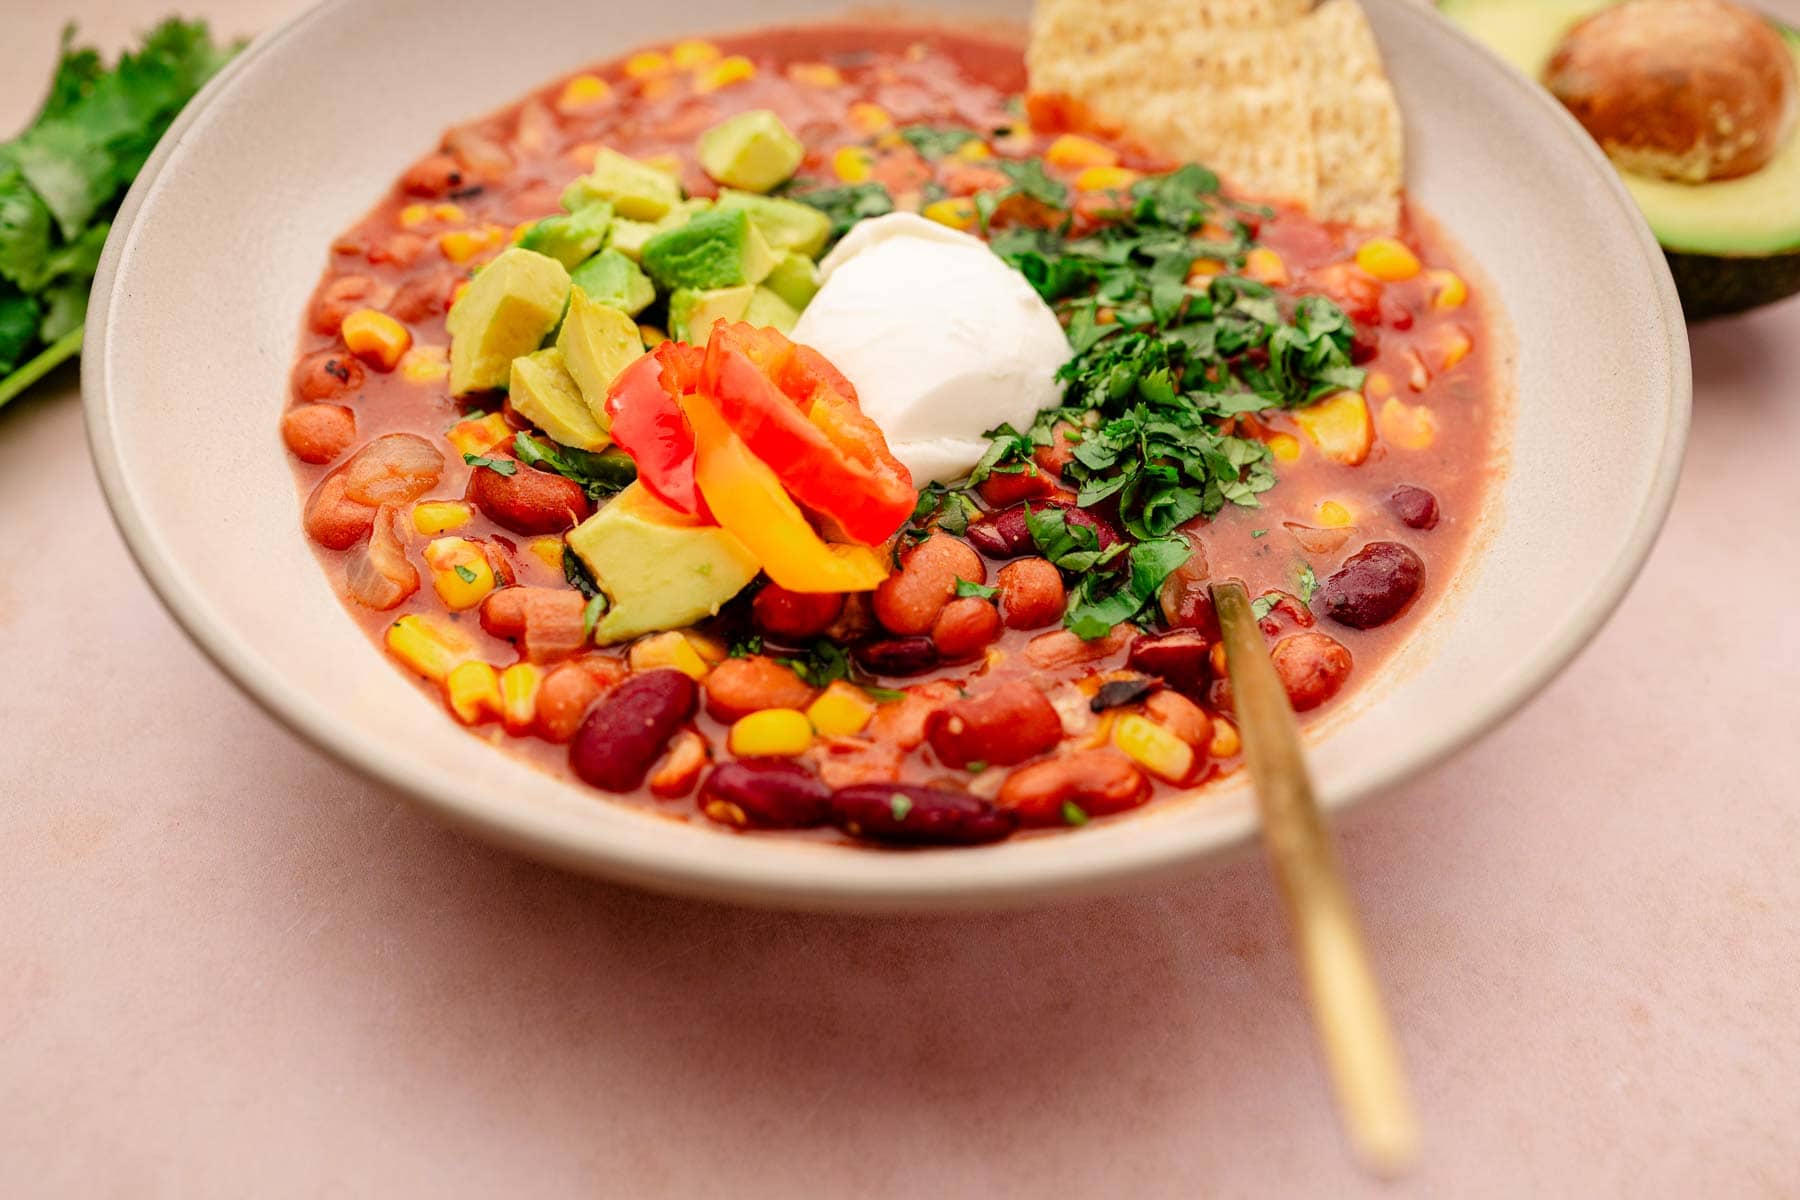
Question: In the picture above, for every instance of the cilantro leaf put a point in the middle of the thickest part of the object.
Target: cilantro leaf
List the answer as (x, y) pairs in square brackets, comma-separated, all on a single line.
[(577, 573), (1151, 562), (499, 466), (937, 141), (847, 204), (967, 587), (599, 474), (822, 663)]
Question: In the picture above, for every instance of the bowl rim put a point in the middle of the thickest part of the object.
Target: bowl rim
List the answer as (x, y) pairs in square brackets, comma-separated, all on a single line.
[(751, 879)]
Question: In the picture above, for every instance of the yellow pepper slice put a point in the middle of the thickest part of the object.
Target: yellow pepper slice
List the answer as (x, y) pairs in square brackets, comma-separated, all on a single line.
[(748, 500)]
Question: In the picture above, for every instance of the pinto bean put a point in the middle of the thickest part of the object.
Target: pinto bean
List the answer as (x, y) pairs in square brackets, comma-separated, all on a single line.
[(1060, 452), (902, 722), (1179, 658), (626, 732), (738, 687), (555, 624), (432, 176), (908, 601), (393, 469), (842, 761), (1181, 717), (528, 501), (1098, 782), (327, 375), (343, 296), (914, 815), (400, 249), (965, 628), (425, 297), (796, 616), (1003, 488), (563, 700), (318, 433), (896, 656), (376, 573), (1063, 648), (766, 794), (332, 519), (1374, 585), (1007, 725), (1416, 507), (1031, 593), (1186, 596), (503, 612), (1312, 667)]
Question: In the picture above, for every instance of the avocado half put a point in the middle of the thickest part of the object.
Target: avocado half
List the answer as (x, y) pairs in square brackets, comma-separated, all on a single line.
[(1732, 244)]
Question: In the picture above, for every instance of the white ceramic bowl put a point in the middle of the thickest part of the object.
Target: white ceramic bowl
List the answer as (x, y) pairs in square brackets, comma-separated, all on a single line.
[(192, 333)]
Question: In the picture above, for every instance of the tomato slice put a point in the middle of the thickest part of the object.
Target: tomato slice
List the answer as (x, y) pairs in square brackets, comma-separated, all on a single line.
[(797, 413), (644, 406)]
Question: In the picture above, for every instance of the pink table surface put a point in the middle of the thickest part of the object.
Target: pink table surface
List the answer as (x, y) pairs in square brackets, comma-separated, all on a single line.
[(229, 967)]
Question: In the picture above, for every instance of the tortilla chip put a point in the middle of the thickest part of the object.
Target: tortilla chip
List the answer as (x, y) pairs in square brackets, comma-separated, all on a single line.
[(1355, 119)]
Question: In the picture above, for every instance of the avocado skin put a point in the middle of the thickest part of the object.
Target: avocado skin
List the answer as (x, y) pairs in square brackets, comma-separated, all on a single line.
[(1715, 286)]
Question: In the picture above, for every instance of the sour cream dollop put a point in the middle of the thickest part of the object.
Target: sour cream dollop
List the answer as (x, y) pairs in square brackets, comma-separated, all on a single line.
[(942, 340)]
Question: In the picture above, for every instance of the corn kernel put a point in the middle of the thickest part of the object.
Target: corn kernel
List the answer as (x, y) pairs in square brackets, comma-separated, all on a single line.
[(1408, 426), (584, 91), (1225, 740), (958, 212), (429, 647), (1339, 426), (518, 696), (414, 215), (1154, 748), (1105, 179), (724, 73), (711, 650), (652, 336), (1265, 266), (1378, 386), (1285, 447), (461, 574), (1333, 515), (645, 64), (425, 364), (1204, 269), (772, 733), (668, 163), (1447, 289), (1387, 259), (376, 338), (473, 690), (973, 150), (818, 75), (432, 517), (549, 551), (479, 436), (869, 118), (852, 164), (692, 53), (447, 214), (667, 650), (461, 245), (1071, 150), (842, 710), (1452, 344)]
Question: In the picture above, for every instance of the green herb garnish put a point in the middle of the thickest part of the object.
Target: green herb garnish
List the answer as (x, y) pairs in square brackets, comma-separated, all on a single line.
[(822, 663), (1073, 814), (466, 574), (590, 614), (848, 204), (499, 466), (937, 141), (899, 804), (577, 574), (600, 474), (968, 587), (1094, 610)]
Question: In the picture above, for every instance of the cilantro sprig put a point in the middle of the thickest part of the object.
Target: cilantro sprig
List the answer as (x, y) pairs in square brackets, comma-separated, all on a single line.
[(599, 474)]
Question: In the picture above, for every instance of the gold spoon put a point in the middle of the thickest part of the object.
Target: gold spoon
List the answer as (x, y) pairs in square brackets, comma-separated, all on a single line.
[(1353, 1025)]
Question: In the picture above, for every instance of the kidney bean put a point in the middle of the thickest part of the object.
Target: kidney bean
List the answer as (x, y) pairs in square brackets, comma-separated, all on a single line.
[(563, 700), (1181, 717), (425, 297), (343, 296), (1059, 453), (377, 574), (332, 519), (1005, 534), (908, 601), (1374, 585), (1312, 667), (796, 616), (432, 176), (393, 469), (627, 731), (1007, 725), (318, 433), (738, 687), (1416, 507), (965, 628), (1031, 593), (1009, 487), (1179, 658), (914, 815), (896, 656), (766, 794), (902, 722), (327, 375), (1098, 782), (1062, 648), (528, 501)]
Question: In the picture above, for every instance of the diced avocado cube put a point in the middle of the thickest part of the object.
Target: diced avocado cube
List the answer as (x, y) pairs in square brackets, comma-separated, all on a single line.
[(507, 310), (712, 250), (611, 278), (628, 237), (572, 238), (786, 224), (636, 190), (659, 568), (597, 342), (768, 309), (795, 279), (692, 312), (544, 393), (752, 150)]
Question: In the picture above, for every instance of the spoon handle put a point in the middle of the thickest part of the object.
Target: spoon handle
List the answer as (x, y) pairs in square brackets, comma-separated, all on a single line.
[(1354, 1031)]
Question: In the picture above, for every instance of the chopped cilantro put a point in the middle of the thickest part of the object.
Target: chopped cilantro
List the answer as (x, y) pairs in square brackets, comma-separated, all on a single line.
[(1264, 604), (823, 662), (599, 474), (499, 466), (577, 573), (1073, 813), (1007, 445), (1093, 615), (590, 614), (968, 587), (1256, 533), (466, 574), (900, 804), (937, 141), (883, 695), (1309, 583), (975, 766), (744, 647), (848, 204)]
